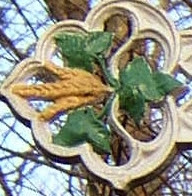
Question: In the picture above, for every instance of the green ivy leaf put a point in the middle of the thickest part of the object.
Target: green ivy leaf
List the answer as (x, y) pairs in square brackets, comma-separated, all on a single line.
[(140, 86), (98, 42), (80, 50), (165, 83), (138, 74), (132, 100), (83, 126), (72, 47)]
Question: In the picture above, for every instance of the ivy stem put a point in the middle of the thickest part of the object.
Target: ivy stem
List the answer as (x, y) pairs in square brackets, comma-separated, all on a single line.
[(106, 108), (109, 78)]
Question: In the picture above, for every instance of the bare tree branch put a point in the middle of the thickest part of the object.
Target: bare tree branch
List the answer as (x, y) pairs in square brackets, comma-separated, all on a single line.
[(64, 9), (4, 184), (189, 3), (24, 18), (46, 162), (6, 42)]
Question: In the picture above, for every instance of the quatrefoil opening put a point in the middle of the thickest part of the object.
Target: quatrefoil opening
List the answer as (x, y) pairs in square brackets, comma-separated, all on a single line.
[(146, 157)]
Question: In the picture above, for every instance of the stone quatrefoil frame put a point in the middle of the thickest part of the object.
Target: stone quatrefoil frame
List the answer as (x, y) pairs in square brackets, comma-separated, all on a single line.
[(146, 157)]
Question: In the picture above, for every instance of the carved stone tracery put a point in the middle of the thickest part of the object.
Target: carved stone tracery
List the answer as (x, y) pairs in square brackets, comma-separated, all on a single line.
[(146, 157)]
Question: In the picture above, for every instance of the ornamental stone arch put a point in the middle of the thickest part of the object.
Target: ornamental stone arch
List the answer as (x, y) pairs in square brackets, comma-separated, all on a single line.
[(145, 157)]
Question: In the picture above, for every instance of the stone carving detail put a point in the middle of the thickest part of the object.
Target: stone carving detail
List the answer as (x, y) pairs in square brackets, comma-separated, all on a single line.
[(73, 89), (146, 157)]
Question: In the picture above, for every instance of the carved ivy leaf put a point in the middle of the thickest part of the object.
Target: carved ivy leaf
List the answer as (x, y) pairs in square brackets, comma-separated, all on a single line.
[(138, 74), (80, 50), (83, 126), (72, 48), (165, 83), (132, 101), (140, 86), (98, 42)]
